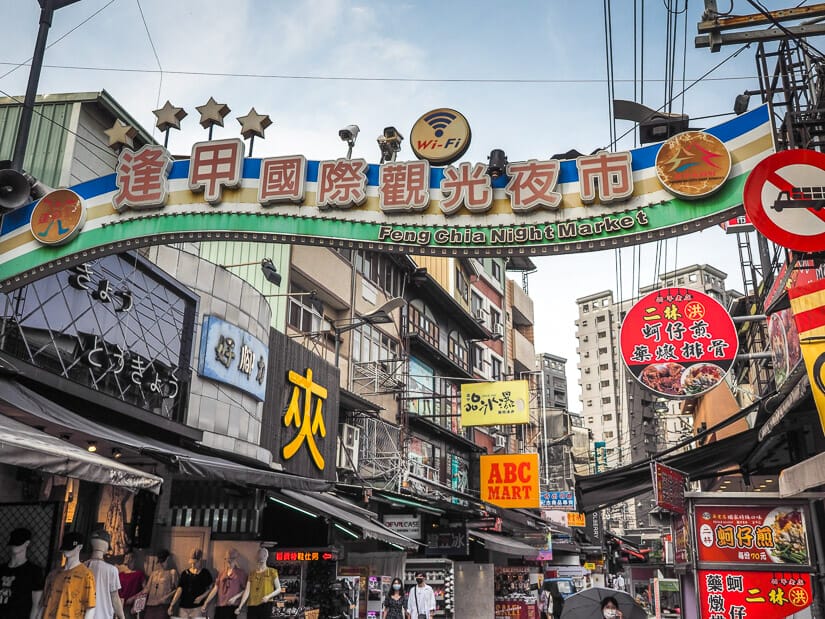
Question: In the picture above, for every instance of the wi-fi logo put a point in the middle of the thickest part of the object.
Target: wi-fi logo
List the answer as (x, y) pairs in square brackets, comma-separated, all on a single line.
[(439, 121)]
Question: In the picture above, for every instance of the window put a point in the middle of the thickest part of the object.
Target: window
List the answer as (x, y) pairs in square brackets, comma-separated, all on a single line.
[(477, 305), (606, 400), (584, 323), (605, 383), (380, 270), (588, 387), (590, 420), (461, 285), (585, 308), (457, 348), (585, 338), (589, 403), (478, 357), (370, 344), (601, 317), (604, 367), (587, 370), (680, 281), (693, 277), (495, 318), (603, 350), (605, 302), (608, 434), (495, 269), (602, 333), (496, 369), (301, 315), (607, 417), (586, 354)]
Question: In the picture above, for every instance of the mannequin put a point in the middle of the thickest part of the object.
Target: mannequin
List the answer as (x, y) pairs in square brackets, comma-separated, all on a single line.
[(132, 582), (261, 588), (193, 587), (107, 583), (21, 582), (229, 587), (160, 588), (70, 590)]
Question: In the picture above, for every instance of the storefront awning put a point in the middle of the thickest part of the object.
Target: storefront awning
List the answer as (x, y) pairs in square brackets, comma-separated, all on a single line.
[(17, 400), (351, 514), (23, 446), (505, 545), (803, 476)]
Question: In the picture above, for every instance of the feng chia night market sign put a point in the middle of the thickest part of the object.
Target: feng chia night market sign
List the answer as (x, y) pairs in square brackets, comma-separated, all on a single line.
[(604, 200)]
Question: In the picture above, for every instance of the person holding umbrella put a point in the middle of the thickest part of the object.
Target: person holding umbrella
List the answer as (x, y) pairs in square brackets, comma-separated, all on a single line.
[(610, 608)]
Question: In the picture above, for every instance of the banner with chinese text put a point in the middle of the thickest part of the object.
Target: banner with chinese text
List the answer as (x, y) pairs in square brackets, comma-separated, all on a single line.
[(668, 488), (496, 403), (751, 534), (510, 480), (678, 342), (727, 594)]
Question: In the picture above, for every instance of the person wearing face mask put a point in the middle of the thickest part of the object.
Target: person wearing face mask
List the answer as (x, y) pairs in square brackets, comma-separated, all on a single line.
[(421, 599), (610, 608), (394, 602)]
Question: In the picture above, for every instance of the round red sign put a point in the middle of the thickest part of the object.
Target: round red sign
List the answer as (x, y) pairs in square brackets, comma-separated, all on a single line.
[(58, 217), (678, 342), (784, 197)]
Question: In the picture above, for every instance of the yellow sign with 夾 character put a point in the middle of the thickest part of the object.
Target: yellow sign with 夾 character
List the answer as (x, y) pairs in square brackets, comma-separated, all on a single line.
[(496, 403)]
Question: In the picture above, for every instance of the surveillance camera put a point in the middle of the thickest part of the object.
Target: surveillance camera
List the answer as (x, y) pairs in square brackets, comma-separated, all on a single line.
[(349, 133), (391, 133)]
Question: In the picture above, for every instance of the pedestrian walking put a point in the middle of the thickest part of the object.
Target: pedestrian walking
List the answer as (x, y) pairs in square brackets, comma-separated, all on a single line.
[(394, 602)]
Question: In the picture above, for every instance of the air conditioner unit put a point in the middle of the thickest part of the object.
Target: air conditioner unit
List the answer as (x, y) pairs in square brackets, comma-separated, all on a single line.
[(501, 441), (348, 442), (498, 329), (479, 315)]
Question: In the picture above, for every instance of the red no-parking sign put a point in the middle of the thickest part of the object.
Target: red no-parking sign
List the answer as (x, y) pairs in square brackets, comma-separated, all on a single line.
[(784, 197)]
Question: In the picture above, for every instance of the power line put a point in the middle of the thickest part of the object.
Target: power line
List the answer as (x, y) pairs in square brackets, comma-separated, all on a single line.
[(355, 78), (154, 51)]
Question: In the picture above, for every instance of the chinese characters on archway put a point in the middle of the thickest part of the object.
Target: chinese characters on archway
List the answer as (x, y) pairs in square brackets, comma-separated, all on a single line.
[(678, 342), (142, 180)]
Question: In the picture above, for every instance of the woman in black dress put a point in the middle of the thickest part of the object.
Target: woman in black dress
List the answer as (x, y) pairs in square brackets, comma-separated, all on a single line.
[(394, 606)]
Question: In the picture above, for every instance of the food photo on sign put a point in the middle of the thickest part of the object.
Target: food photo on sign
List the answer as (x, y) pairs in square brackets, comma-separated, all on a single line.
[(678, 342)]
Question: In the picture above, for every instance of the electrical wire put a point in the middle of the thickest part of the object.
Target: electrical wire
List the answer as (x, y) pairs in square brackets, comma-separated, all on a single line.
[(155, 52), (803, 41)]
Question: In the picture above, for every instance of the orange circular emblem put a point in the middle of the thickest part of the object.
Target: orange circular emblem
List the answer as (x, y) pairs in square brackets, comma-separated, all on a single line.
[(694, 310), (58, 217), (693, 164), (798, 596)]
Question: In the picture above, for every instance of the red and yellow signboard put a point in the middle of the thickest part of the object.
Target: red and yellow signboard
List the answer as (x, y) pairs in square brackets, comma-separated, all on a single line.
[(510, 480), (678, 342), (58, 217), (808, 307), (751, 534), (727, 594)]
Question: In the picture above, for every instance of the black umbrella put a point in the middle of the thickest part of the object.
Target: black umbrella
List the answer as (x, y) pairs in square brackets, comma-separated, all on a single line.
[(587, 604)]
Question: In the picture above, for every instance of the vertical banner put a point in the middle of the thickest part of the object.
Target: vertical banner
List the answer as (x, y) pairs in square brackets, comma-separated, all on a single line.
[(808, 306), (600, 455)]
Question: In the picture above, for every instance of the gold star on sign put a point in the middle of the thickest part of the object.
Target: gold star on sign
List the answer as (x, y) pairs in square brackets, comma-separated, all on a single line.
[(121, 134), (169, 117), (212, 113), (254, 124)]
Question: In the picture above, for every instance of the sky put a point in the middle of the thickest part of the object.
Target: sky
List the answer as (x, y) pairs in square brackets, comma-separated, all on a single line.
[(530, 76)]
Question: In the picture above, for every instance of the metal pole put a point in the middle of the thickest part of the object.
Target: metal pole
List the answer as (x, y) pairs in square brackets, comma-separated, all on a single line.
[(544, 430), (46, 14), (337, 333)]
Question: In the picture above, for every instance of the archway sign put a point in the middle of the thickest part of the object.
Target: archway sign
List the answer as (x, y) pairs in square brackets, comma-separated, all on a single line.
[(535, 207)]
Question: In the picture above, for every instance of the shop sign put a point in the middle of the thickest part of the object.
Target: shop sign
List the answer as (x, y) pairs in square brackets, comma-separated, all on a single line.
[(668, 488), (576, 519), (58, 217), (784, 197), (451, 539), (408, 525), (589, 566), (510, 480), (808, 307), (496, 403), (752, 534), (600, 456), (558, 499), (515, 610), (232, 356), (737, 594), (737, 225), (678, 342), (485, 524), (305, 554), (536, 207), (681, 540)]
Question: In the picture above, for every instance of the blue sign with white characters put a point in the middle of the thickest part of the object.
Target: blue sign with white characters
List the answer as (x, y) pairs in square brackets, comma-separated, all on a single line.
[(231, 355), (558, 499)]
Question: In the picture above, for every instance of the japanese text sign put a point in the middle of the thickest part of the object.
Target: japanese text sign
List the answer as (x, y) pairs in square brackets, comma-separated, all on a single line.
[(230, 355), (668, 488), (510, 480), (727, 594), (496, 403), (808, 307), (678, 342), (558, 499), (751, 534)]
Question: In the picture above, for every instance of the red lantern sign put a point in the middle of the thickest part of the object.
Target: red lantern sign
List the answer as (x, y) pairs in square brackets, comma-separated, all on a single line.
[(678, 342)]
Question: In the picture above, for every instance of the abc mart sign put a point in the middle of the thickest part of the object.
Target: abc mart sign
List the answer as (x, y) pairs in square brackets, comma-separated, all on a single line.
[(542, 207)]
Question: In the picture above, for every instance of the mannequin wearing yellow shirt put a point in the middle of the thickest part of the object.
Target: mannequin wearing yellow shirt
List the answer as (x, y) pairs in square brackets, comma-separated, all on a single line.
[(70, 591), (261, 588)]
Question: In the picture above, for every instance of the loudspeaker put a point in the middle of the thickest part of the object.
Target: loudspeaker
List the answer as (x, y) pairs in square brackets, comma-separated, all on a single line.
[(15, 190)]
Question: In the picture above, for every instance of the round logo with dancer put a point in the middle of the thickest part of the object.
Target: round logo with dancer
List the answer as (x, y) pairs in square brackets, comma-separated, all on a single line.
[(693, 164)]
